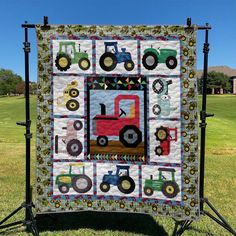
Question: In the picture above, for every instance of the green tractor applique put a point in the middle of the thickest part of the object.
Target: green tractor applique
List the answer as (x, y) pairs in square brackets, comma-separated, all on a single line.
[(67, 55), (169, 188), (153, 56), (81, 182)]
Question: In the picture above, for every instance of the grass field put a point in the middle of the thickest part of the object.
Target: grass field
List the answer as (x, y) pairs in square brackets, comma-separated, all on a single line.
[(220, 181)]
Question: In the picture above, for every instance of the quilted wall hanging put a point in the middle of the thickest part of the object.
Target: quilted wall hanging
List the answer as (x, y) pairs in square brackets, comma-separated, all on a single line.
[(117, 120)]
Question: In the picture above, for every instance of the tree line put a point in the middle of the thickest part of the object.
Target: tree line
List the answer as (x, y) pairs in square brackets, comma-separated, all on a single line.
[(217, 82), (12, 84)]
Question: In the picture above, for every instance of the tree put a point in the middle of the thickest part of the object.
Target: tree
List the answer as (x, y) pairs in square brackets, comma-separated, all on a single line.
[(8, 82), (20, 88), (215, 82)]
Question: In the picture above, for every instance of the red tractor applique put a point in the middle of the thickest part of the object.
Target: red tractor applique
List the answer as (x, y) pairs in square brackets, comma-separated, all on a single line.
[(119, 124), (163, 135)]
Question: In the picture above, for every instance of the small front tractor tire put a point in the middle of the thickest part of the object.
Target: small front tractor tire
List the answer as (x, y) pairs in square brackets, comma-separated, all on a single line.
[(63, 62), (150, 61), (102, 141), (81, 183), (78, 125), (170, 189), (129, 65), (156, 109), (105, 187), (108, 61), (126, 184), (171, 62), (74, 93), (148, 191), (84, 63), (158, 150), (64, 188)]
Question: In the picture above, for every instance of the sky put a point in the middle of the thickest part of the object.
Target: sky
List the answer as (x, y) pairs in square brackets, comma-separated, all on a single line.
[(220, 14)]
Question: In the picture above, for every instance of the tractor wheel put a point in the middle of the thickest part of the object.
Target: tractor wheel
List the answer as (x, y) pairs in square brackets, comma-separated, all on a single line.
[(158, 150), (171, 62), (105, 187), (74, 93), (150, 61), (102, 141), (74, 147), (148, 191), (158, 86), (78, 125), (63, 188), (130, 136), (170, 189), (129, 65), (72, 105), (56, 144), (81, 183), (108, 61), (126, 184), (161, 134), (156, 109), (63, 62), (84, 63)]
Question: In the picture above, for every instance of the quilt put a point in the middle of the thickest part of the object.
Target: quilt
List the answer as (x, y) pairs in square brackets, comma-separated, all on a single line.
[(117, 125)]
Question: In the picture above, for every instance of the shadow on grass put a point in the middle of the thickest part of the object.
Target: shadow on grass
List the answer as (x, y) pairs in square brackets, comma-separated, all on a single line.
[(133, 223)]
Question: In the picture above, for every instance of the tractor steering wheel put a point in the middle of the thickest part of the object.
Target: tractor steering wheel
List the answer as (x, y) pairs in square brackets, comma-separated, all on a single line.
[(122, 112), (163, 177)]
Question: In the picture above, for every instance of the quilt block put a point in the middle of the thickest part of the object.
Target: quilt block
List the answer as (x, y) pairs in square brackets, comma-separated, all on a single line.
[(117, 120)]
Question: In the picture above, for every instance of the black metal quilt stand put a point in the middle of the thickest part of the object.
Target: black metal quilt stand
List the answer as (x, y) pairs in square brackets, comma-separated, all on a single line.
[(180, 227), (29, 220)]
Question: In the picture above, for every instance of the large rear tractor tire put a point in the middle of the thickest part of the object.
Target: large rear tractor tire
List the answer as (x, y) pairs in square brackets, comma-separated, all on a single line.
[(108, 61), (130, 136), (161, 134), (74, 147), (126, 184), (81, 183), (72, 105), (170, 189), (63, 62), (150, 61)]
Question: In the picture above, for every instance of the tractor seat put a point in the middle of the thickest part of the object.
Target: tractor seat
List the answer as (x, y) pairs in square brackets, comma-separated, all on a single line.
[(63, 172), (123, 49)]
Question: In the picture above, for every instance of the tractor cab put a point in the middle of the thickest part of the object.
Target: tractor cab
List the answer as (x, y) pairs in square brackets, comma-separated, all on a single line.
[(68, 48), (170, 170)]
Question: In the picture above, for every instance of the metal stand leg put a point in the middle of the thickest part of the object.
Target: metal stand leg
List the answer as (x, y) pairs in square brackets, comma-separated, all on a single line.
[(30, 223)]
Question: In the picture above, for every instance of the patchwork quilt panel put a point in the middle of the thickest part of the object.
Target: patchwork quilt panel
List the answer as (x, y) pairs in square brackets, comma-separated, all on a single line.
[(117, 126)]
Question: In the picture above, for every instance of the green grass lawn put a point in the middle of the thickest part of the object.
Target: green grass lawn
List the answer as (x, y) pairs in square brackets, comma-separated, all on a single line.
[(220, 181)]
